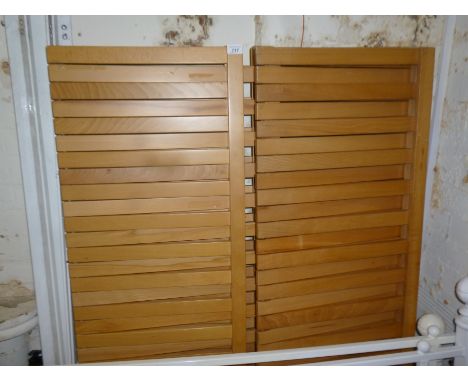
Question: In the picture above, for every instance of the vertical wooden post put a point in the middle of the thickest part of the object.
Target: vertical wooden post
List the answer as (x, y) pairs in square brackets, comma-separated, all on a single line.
[(419, 168), (237, 199)]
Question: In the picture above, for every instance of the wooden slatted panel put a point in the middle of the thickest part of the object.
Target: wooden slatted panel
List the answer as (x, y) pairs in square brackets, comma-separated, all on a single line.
[(149, 144), (340, 160)]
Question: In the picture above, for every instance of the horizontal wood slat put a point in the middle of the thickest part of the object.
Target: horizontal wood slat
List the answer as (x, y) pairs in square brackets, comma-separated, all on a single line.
[(159, 108), (301, 110), (103, 238), (330, 224), (331, 254), (333, 160), (264, 55), (139, 125), (331, 192), (299, 242), (96, 159), (327, 176), (136, 90), (149, 251), (142, 142), (332, 126), (137, 73), (278, 146), (152, 280), (327, 208), (135, 55), (144, 190), (152, 308), (330, 75), (334, 92), (132, 206)]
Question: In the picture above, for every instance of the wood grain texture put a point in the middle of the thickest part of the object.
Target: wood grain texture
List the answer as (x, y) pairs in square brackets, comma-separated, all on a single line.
[(327, 176), (135, 55), (135, 90), (419, 169), (237, 201), (333, 92), (294, 162), (330, 75), (137, 73), (263, 55), (141, 142), (143, 174), (139, 125), (302, 110), (332, 126), (144, 108)]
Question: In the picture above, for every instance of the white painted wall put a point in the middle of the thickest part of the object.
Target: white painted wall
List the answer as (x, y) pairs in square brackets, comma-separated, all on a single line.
[(445, 245), (445, 257), (16, 279)]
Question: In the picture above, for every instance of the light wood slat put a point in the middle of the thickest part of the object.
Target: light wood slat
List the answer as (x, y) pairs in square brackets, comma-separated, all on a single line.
[(272, 276), (264, 55), (250, 229), (135, 295), (250, 257), (135, 90), (314, 328), (249, 106), (248, 74), (140, 125), (250, 310), (146, 221), (416, 200), (320, 161), (331, 192), (276, 146), (330, 255), (249, 138), (107, 268), (160, 108), (250, 200), (143, 190), (96, 159), (334, 92), (143, 174), (114, 353), (325, 284), (135, 206), (141, 236), (124, 324), (327, 208), (341, 126), (154, 336), (135, 55), (330, 75), (296, 243), (328, 176), (152, 309), (378, 331), (149, 251), (142, 142), (328, 312), (326, 298), (237, 201), (152, 280), (330, 224), (301, 110), (249, 170), (137, 73)]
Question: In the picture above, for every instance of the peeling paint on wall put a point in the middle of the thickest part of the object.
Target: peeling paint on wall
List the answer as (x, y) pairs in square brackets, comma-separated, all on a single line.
[(15, 299), (186, 30)]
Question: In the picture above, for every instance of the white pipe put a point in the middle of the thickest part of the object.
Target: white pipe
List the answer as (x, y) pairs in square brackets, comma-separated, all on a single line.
[(18, 330)]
